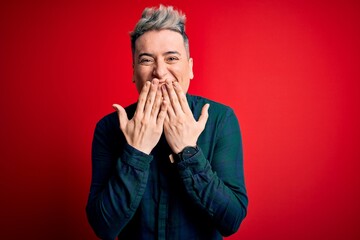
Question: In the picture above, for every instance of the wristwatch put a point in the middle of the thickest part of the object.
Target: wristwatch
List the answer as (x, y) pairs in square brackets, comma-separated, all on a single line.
[(185, 154)]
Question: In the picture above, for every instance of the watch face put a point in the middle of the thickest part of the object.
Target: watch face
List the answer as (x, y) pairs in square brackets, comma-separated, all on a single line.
[(188, 152), (185, 154)]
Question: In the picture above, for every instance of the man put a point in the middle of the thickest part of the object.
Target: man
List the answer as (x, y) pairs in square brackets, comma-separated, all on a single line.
[(174, 167)]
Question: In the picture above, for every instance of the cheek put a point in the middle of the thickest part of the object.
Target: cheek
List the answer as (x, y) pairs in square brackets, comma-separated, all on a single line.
[(182, 74), (140, 76), (185, 86), (139, 86)]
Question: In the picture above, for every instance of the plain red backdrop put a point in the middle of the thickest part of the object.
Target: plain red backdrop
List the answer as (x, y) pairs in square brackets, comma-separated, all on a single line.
[(290, 70)]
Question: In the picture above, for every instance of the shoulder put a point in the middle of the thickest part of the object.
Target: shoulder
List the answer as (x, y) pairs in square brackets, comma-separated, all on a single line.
[(111, 120), (216, 110), (108, 120)]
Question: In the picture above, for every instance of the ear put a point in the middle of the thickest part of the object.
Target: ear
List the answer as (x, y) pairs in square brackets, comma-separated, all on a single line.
[(191, 73)]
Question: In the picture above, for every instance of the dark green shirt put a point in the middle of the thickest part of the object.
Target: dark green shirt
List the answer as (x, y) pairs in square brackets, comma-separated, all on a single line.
[(138, 196)]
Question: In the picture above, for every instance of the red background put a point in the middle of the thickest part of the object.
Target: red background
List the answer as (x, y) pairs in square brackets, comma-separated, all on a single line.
[(289, 69)]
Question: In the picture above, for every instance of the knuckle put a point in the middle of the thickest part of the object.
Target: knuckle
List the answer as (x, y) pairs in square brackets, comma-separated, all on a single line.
[(183, 98), (141, 99), (138, 118), (143, 122), (156, 104)]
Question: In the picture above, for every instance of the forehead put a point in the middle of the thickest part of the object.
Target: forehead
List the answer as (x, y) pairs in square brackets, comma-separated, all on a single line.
[(161, 41)]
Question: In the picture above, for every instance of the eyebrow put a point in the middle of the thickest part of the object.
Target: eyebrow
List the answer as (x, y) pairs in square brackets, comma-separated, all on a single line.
[(145, 54), (166, 53), (172, 52)]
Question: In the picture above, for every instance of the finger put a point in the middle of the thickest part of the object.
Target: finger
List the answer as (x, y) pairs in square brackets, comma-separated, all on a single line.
[(165, 93), (151, 97), (162, 114), (142, 98), (182, 98), (123, 118), (157, 103), (204, 116), (167, 119), (173, 98)]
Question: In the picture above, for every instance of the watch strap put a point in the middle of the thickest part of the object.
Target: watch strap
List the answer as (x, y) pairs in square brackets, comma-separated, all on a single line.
[(185, 154)]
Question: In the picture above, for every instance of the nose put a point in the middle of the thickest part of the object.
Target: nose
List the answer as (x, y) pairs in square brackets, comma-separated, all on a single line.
[(160, 70)]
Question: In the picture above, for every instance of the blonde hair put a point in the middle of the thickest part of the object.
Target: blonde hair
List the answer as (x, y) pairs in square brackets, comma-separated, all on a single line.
[(159, 19)]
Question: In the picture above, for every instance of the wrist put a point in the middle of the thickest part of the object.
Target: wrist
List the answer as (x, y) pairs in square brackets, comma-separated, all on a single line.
[(141, 149), (184, 154), (180, 148)]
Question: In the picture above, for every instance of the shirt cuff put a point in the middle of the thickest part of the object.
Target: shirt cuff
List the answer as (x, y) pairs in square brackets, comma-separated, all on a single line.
[(136, 158), (195, 164)]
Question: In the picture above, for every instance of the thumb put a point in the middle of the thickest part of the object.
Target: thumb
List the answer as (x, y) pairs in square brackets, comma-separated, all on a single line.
[(123, 118), (204, 115)]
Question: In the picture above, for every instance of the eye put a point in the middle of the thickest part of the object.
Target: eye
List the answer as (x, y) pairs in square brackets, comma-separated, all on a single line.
[(145, 61), (172, 59)]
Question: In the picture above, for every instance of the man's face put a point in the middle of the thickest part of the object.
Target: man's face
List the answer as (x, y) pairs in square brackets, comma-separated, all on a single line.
[(162, 55)]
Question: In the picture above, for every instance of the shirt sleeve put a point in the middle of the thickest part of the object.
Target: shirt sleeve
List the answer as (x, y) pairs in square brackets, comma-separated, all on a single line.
[(118, 182), (217, 185)]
